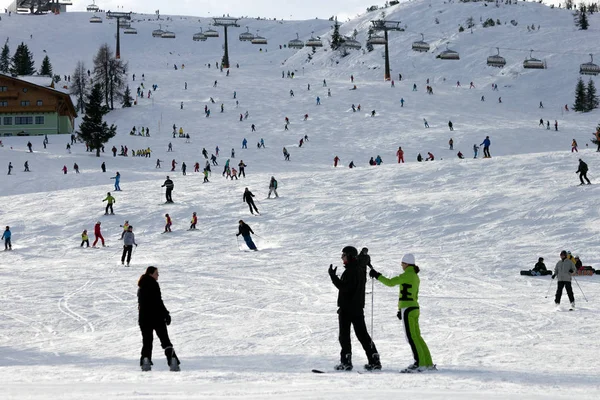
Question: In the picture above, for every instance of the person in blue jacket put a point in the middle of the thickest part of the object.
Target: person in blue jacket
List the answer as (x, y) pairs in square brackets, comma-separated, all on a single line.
[(486, 147), (117, 179), (6, 236)]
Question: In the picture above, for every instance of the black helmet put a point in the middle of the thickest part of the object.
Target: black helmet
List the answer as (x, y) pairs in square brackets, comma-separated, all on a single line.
[(364, 250), (350, 251)]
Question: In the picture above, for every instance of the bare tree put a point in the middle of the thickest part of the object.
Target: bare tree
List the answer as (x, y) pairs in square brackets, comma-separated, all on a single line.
[(79, 88), (110, 73)]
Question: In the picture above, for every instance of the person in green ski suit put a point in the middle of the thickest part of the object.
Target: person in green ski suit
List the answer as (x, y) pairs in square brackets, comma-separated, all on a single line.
[(408, 307)]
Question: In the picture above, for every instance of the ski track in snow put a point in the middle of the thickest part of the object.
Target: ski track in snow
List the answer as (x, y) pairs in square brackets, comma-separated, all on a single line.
[(252, 325)]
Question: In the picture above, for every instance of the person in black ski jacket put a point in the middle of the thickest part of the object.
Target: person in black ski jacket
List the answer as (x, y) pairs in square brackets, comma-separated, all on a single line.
[(169, 185), (351, 302), (248, 199), (245, 230), (539, 267), (364, 261), (153, 316), (582, 171)]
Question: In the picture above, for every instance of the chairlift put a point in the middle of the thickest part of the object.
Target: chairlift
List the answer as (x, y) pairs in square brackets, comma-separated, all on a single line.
[(375, 40), (123, 24), (246, 36), (92, 7), (168, 35), (158, 32), (95, 20), (421, 45), (296, 43), (258, 39), (314, 41), (589, 68), (448, 54), (211, 33), (496, 60), (533, 63), (200, 36), (352, 44), (130, 31)]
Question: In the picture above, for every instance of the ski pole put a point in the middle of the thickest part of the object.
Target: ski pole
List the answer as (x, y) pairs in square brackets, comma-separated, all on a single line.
[(580, 289), (372, 303), (237, 241), (548, 291)]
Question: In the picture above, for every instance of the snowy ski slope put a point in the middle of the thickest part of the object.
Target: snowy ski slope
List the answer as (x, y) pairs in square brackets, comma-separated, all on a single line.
[(252, 325)]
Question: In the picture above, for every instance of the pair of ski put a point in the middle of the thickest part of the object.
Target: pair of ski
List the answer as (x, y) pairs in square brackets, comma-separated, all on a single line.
[(402, 371)]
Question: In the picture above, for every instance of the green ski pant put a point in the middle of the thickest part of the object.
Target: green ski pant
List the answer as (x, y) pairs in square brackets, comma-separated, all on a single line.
[(410, 317)]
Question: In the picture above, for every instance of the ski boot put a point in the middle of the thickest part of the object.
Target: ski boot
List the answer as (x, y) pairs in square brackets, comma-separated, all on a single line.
[(345, 363), (172, 359), (374, 363), (411, 369), (146, 364)]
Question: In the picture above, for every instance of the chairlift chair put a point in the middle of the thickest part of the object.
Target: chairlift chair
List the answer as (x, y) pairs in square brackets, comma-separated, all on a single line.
[(376, 40), (589, 68), (421, 45), (448, 54), (92, 7), (211, 33), (130, 31), (296, 43), (246, 36), (496, 60), (314, 41), (352, 44), (199, 36), (168, 35), (95, 20), (533, 63), (258, 39)]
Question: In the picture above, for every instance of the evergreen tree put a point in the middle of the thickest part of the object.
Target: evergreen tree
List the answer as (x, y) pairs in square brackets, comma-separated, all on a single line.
[(580, 96), (22, 61), (127, 97), (369, 45), (591, 99), (581, 19), (79, 88), (92, 129), (5, 58), (46, 68), (336, 38)]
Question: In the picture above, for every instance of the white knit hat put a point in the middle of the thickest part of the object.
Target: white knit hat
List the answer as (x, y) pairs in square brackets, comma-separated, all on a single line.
[(409, 259)]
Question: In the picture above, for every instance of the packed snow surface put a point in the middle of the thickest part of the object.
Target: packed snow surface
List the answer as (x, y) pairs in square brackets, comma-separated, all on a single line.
[(252, 325)]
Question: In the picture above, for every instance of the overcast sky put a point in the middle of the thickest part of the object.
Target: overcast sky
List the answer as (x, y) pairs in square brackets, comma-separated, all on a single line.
[(295, 9)]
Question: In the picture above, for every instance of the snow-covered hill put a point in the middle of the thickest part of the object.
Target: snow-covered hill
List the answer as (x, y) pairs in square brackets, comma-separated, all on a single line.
[(252, 325)]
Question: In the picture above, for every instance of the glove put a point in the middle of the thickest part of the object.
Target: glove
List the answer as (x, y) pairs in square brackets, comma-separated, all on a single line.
[(553, 276), (332, 271), (571, 271), (374, 274), (168, 319), (399, 315), (237, 234), (136, 245)]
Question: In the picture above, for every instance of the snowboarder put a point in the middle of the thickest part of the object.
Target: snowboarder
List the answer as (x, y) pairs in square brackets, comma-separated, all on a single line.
[(128, 242), (153, 316), (425, 123), (6, 237), (351, 303), (564, 270), (245, 230), (84, 238), (117, 179), (168, 223), (194, 221), (582, 171), (248, 199), (286, 154), (539, 268), (98, 235), (169, 189), (486, 147), (110, 201), (408, 311), (460, 155), (272, 187)]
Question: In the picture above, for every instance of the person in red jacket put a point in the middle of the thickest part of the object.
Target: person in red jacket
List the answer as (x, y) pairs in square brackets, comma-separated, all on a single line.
[(430, 157), (335, 161), (98, 234), (168, 224), (194, 221), (400, 154)]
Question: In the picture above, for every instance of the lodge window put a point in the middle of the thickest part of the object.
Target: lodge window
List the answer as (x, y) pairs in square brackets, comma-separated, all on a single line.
[(24, 90), (39, 103), (23, 120), (3, 103), (39, 120), (25, 102), (8, 120), (3, 88)]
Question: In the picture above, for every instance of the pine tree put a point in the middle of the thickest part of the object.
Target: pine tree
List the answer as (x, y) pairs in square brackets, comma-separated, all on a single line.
[(591, 98), (336, 38), (5, 58), (92, 129), (581, 19), (127, 97), (46, 68), (79, 88), (369, 44), (22, 61), (580, 96)]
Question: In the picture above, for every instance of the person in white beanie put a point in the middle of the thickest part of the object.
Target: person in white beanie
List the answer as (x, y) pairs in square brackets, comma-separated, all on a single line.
[(408, 307)]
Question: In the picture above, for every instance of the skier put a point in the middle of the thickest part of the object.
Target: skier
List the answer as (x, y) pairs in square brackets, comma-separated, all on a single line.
[(555, 125), (372, 113), (125, 226), (245, 230), (173, 164), (205, 172), (486, 147), (248, 198), (169, 189), (564, 270), (351, 165), (574, 146), (170, 147), (548, 125), (197, 167), (6, 237), (408, 311), (272, 187), (351, 302), (168, 223), (450, 125), (205, 153), (117, 179), (30, 146), (103, 166), (76, 168), (318, 101), (244, 144), (153, 316), (286, 154), (364, 261), (213, 159), (541, 105), (262, 143), (234, 174), (84, 238), (336, 159), (541, 122), (128, 242), (242, 167), (451, 144), (68, 148), (157, 163), (378, 160), (582, 171), (183, 168), (194, 221), (225, 167), (402, 102), (475, 150), (26, 166), (98, 235), (253, 128), (110, 201)]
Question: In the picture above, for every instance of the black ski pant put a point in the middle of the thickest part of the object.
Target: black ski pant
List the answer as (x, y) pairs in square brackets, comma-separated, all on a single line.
[(242, 172), (109, 206), (486, 151), (559, 290), (251, 205), (148, 338), (168, 195), (583, 175), (357, 320), (87, 241), (127, 252)]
